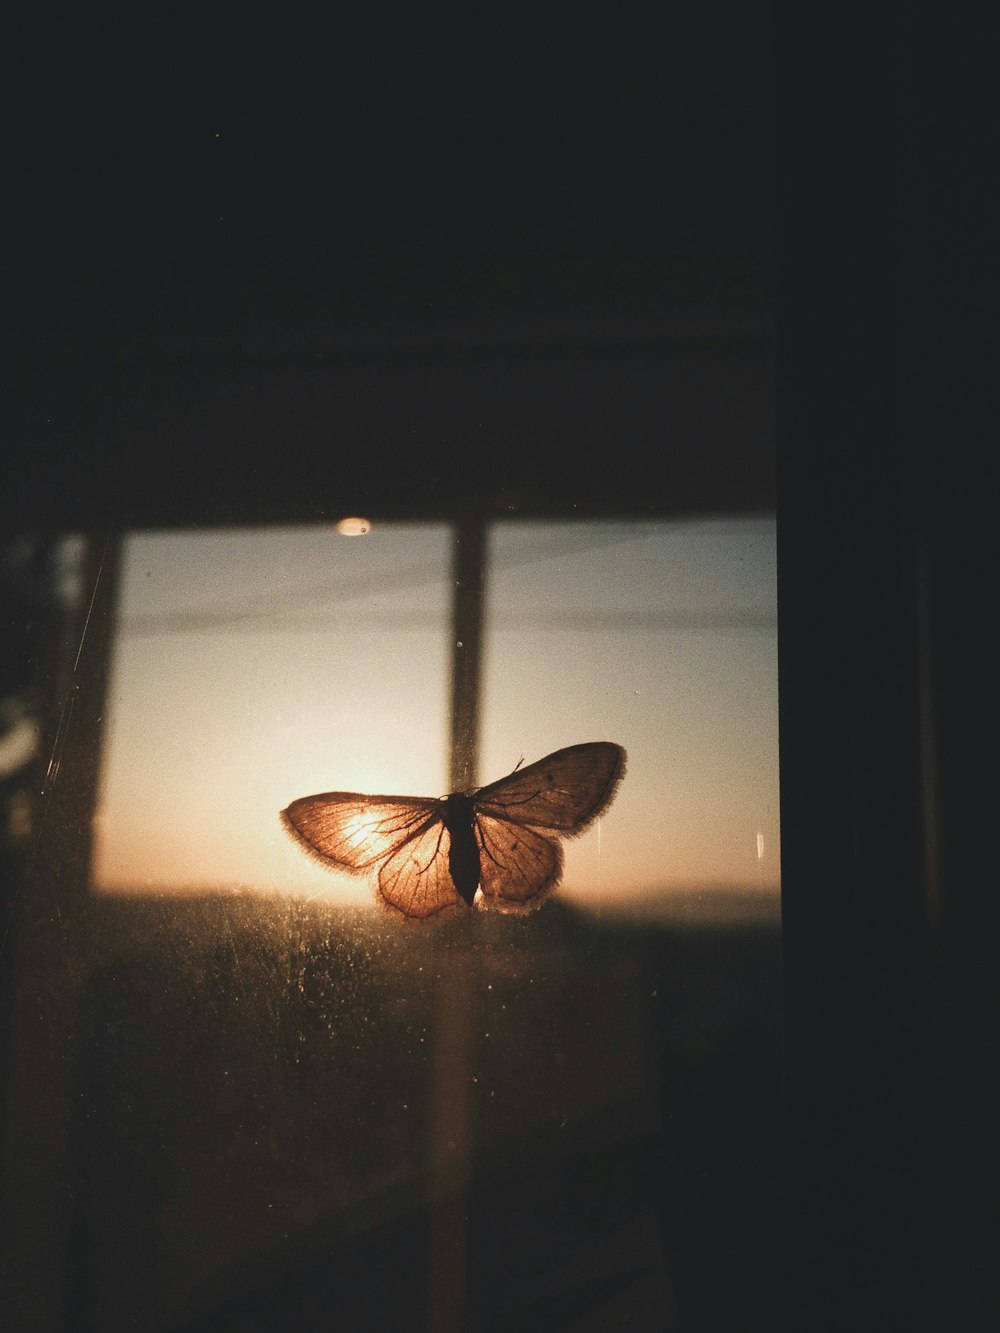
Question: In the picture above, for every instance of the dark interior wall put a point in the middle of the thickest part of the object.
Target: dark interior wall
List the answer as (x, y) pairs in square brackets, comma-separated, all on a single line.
[(882, 395), (415, 270)]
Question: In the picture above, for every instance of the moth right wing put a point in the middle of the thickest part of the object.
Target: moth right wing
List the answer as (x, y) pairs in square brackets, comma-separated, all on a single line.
[(354, 832), (518, 865), (563, 792)]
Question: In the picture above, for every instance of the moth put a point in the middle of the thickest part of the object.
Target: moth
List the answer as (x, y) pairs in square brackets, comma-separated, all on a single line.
[(429, 854)]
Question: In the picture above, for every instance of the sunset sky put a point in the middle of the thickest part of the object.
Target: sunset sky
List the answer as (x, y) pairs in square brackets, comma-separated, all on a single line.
[(255, 666)]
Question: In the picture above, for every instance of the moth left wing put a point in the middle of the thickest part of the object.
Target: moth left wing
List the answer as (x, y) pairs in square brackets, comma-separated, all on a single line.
[(564, 792), (353, 832), (416, 878)]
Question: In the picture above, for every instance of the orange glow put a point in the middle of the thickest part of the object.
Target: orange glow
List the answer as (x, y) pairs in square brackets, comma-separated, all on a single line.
[(360, 829)]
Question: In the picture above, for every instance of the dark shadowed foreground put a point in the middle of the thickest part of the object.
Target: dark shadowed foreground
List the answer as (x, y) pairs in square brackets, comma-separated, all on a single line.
[(290, 1117)]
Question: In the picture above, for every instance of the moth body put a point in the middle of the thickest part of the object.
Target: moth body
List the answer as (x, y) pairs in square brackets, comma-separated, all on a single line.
[(459, 814)]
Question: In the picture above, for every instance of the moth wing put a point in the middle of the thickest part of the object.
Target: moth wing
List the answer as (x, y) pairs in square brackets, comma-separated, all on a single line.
[(416, 878), (564, 792), (354, 832), (518, 865)]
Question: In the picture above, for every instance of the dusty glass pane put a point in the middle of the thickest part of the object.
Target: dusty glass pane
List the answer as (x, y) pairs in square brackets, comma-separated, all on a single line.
[(277, 1094)]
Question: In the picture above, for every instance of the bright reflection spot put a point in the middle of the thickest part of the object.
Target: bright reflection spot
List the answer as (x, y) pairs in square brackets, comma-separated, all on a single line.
[(760, 846), (18, 746), (354, 527)]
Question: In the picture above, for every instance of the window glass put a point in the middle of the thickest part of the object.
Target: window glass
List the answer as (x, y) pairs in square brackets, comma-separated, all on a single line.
[(660, 636), (252, 668)]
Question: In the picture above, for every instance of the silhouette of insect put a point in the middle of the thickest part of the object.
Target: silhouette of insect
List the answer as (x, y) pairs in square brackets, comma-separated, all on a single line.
[(434, 853)]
